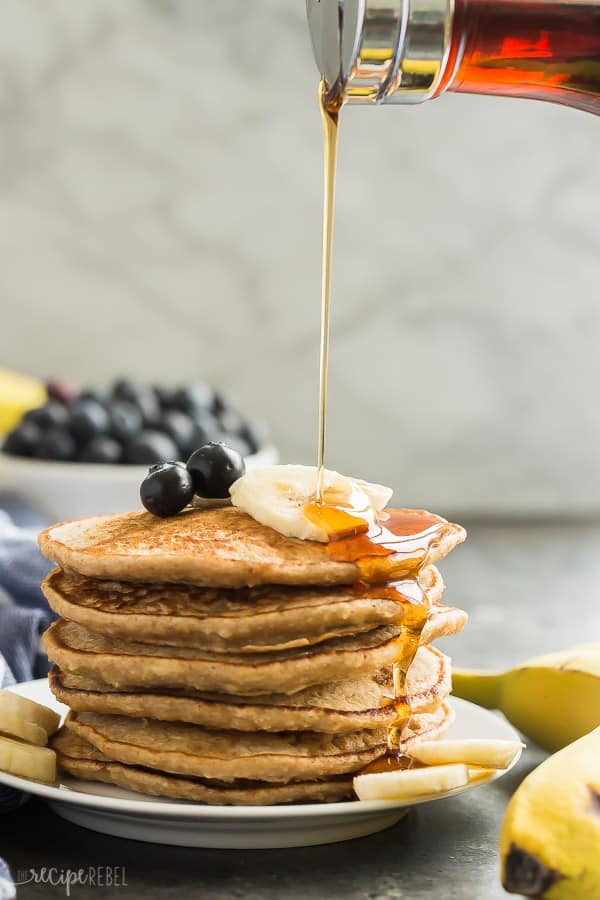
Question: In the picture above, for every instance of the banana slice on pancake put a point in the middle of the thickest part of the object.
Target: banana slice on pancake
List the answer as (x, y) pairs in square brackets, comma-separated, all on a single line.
[(276, 495)]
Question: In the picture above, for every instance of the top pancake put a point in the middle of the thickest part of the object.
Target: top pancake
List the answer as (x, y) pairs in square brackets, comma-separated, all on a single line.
[(222, 547)]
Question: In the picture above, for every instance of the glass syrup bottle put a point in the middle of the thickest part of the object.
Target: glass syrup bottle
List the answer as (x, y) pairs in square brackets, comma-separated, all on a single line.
[(408, 51)]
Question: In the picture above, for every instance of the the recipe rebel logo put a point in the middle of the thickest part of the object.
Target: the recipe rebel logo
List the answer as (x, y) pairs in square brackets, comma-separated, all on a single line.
[(90, 877)]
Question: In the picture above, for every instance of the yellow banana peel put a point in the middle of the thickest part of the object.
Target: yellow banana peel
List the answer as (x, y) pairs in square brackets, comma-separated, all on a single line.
[(552, 699), (18, 393), (550, 838)]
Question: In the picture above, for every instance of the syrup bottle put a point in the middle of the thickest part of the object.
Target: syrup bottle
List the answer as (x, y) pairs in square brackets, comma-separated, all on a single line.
[(408, 51)]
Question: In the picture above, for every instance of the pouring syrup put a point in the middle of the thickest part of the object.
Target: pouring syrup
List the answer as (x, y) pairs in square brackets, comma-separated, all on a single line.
[(383, 545)]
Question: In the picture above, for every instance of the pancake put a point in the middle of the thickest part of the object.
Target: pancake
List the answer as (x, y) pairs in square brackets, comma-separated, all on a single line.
[(243, 620), (427, 726), (228, 757), (184, 749), (81, 760), (443, 621), (77, 650), (349, 705), (222, 547)]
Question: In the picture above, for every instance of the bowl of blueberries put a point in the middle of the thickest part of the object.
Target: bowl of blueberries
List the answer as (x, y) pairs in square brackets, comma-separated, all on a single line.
[(86, 452)]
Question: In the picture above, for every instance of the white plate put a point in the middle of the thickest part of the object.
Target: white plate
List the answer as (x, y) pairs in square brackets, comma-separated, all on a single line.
[(111, 810), (68, 490)]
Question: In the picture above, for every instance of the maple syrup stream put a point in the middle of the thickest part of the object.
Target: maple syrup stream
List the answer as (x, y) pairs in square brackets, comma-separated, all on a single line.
[(330, 116), (388, 552)]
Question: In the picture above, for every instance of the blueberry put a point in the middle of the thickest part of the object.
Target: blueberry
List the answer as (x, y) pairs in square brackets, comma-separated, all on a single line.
[(49, 415), (206, 429), (151, 447), (164, 395), (23, 440), (149, 407), (126, 389), (102, 449), (181, 429), (167, 489), (236, 443), (219, 403), (194, 399), (171, 462), (96, 395), (256, 433), (56, 443), (214, 468), (223, 401), (125, 420), (144, 398), (230, 420), (88, 420)]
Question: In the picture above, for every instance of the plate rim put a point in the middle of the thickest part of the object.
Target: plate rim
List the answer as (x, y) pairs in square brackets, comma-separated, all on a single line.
[(189, 810)]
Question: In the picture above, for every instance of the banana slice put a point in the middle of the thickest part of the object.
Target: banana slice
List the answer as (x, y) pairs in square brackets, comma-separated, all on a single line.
[(14, 727), (410, 784), (490, 754), (275, 496), (26, 761), (25, 719), (478, 773)]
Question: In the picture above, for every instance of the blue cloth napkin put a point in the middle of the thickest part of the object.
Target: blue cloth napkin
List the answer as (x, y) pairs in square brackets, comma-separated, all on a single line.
[(7, 886), (24, 615)]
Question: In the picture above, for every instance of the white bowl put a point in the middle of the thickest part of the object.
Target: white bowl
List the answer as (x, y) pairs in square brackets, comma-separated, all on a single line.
[(70, 490)]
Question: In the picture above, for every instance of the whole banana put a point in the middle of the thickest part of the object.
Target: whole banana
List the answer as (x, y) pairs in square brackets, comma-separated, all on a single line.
[(18, 393), (552, 699), (550, 838)]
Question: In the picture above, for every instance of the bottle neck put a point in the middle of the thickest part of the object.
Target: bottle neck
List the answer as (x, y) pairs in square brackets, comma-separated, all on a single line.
[(537, 49), (409, 51), (369, 51)]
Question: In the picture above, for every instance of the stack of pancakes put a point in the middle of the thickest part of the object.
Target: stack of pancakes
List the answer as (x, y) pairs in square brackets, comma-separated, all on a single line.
[(207, 657)]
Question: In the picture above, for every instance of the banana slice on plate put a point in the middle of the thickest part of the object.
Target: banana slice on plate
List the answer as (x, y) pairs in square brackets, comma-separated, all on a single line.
[(480, 773), (14, 727), (410, 784), (27, 761), (489, 754), (25, 719), (275, 496)]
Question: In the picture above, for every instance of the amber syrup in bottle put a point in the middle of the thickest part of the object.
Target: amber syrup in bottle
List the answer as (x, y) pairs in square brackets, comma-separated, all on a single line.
[(541, 49)]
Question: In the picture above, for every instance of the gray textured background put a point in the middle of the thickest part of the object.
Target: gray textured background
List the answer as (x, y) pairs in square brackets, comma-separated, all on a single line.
[(160, 191)]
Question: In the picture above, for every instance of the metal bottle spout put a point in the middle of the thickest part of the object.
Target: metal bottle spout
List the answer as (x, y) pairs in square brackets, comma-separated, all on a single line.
[(381, 51)]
